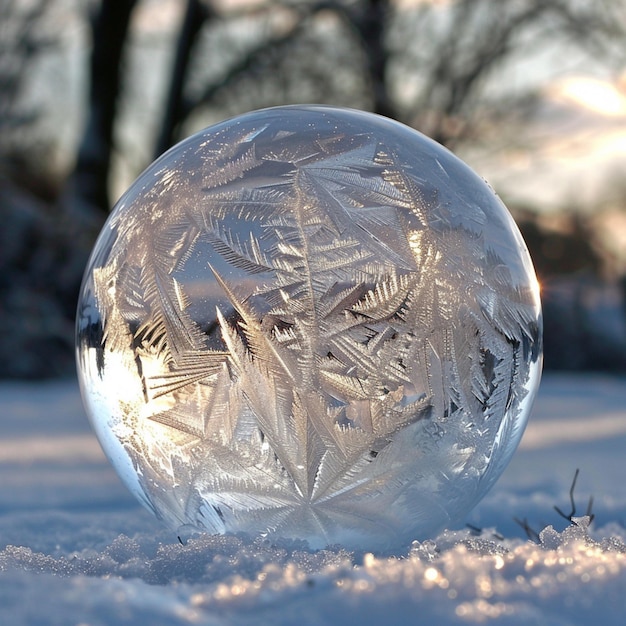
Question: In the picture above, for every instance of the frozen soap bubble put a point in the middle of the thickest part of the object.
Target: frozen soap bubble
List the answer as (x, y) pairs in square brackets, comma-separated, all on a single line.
[(313, 323)]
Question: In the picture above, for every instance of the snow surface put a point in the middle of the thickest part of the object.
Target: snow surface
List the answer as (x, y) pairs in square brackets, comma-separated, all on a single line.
[(76, 548)]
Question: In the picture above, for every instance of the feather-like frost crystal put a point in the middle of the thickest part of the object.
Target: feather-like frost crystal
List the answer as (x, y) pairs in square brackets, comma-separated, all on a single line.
[(312, 323)]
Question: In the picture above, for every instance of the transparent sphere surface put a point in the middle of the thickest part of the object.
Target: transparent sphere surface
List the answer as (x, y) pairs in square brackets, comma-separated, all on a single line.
[(312, 323)]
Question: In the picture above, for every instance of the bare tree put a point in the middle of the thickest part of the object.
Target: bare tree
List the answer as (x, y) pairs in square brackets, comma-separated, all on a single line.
[(478, 39), (90, 179), (23, 39), (449, 56), (430, 65), (367, 54), (196, 14), (33, 323)]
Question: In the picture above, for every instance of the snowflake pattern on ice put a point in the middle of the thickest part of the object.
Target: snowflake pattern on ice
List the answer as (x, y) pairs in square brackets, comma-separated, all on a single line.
[(310, 321)]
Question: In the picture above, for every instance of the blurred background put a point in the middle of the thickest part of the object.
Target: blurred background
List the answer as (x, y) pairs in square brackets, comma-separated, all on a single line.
[(530, 93)]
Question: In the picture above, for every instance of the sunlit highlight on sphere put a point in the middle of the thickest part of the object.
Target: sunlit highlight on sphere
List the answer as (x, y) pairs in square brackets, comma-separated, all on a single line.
[(310, 323)]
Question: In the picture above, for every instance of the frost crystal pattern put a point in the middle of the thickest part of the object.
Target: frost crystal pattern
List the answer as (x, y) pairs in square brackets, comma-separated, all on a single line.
[(310, 322)]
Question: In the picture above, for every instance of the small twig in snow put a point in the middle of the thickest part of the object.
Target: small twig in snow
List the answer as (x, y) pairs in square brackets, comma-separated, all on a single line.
[(531, 533), (572, 513), (477, 530)]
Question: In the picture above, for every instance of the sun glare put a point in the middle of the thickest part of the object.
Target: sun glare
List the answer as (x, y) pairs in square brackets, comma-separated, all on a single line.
[(595, 95)]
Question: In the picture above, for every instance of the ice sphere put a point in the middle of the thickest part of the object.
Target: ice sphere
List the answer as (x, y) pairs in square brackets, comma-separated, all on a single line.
[(312, 323)]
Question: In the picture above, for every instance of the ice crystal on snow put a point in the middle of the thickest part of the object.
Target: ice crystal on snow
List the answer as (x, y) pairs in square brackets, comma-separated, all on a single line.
[(312, 322)]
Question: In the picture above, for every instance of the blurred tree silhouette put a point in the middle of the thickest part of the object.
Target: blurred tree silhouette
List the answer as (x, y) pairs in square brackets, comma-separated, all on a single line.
[(35, 323), (444, 68), (434, 66), (110, 29), (584, 306), (24, 38)]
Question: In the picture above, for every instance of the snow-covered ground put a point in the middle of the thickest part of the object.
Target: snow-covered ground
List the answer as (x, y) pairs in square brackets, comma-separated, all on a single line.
[(75, 548)]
